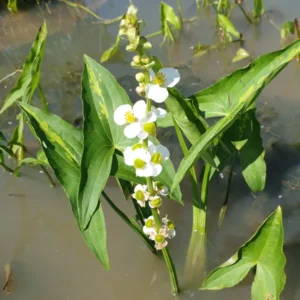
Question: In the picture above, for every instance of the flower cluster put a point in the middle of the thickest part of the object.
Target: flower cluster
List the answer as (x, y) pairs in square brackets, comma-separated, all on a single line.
[(139, 121), (167, 230)]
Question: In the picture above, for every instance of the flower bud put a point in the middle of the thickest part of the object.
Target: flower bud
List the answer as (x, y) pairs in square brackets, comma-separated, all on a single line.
[(136, 59), (122, 31), (140, 90), (150, 128), (130, 48), (147, 46), (156, 202), (140, 77), (145, 59)]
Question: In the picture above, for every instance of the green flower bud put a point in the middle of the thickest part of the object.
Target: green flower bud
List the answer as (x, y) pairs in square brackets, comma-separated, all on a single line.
[(130, 48), (171, 225), (149, 223), (122, 31), (136, 59), (145, 59), (147, 46), (140, 77), (137, 146)]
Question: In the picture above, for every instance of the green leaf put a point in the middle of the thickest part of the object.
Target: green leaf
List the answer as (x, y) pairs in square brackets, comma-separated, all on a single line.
[(287, 28), (245, 84), (228, 27), (223, 6), (30, 76), (203, 143), (62, 144), (101, 95), (240, 55), (109, 53), (264, 251), (12, 5), (168, 17), (192, 126), (200, 49), (244, 134), (258, 8)]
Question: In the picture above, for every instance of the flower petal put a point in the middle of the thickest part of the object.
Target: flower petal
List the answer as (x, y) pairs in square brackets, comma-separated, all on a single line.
[(172, 76), (151, 74), (139, 109), (157, 168), (128, 156), (143, 135), (159, 112), (156, 93), (142, 154), (119, 114), (150, 117), (141, 203), (163, 151), (132, 130), (147, 171), (159, 246)]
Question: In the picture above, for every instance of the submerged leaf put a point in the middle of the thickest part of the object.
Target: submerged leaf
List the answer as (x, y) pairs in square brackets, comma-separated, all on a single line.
[(30, 76), (12, 5), (228, 27), (240, 54), (263, 251), (244, 84)]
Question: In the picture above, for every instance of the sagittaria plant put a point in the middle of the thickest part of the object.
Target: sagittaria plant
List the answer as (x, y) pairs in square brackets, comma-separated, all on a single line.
[(118, 139)]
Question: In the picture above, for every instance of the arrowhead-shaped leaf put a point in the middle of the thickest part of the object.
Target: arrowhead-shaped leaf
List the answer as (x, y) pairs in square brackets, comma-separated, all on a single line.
[(263, 251), (30, 76), (62, 144)]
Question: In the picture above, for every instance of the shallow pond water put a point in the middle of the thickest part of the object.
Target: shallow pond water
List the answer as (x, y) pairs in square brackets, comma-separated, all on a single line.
[(37, 232)]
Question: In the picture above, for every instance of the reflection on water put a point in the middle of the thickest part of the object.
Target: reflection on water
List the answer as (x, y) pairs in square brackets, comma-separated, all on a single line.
[(37, 232)]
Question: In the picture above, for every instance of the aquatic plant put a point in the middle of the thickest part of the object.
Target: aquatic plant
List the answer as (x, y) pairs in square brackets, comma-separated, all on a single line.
[(119, 139)]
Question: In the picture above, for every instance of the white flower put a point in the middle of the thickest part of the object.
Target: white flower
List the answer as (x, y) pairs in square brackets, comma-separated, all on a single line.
[(157, 89), (140, 158), (160, 188), (155, 201), (146, 162), (160, 239), (149, 227), (135, 118), (170, 227), (158, 153), (141, 194)]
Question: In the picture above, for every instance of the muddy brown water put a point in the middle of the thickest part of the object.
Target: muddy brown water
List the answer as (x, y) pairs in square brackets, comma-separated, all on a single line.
[(37, 232)]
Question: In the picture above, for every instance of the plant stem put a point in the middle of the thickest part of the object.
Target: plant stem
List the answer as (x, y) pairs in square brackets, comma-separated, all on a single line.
[(165, 251), (244, 12), (225, 203), (231, 10), (48, 175), (180, 11), (297, 30), (11, 74), (134, 226), (153, 34)]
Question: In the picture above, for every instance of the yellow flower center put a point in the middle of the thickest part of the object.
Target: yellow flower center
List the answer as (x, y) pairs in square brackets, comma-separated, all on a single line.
[(156, 158), (159, 79), (171, 225), (139, 195), (159, 238), (150, 128), (139, 163), (129, 117), (149, 223), (156, 202)]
